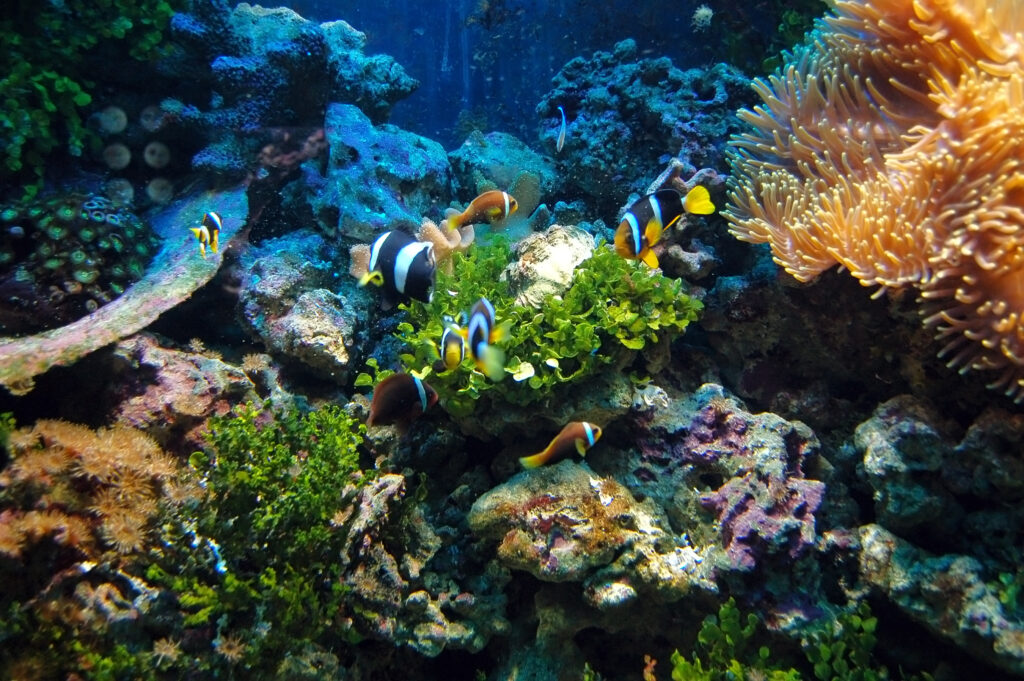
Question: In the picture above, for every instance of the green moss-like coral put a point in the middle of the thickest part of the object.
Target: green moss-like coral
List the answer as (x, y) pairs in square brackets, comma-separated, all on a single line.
[(45, 86), (614, 309), (62, 257)]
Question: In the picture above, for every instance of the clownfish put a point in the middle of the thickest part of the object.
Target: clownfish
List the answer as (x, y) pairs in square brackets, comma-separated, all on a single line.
[(481, 334), (647, 219), (399, 400), (208, 232), (453, 347), (488, 207), (402, 265), (577, 436)]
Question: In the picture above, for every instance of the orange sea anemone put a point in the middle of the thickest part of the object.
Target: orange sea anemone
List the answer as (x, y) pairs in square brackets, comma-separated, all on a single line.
[(892, 144)]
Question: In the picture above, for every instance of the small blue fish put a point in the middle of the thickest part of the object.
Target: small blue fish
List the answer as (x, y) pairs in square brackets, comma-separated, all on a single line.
[(561, 132)]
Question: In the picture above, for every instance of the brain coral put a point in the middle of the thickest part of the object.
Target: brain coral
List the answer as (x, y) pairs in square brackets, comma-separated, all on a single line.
[(891, 144)]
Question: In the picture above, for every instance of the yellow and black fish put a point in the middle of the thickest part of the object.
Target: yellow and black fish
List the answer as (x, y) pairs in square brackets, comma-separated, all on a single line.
[(647, 219), (208, 232), (481, 334), (453, 347), (490, 207), (399, 400), (578, 436), (402, 265)]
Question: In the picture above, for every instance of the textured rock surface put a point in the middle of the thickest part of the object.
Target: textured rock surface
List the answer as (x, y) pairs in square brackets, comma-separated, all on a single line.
[(546, 263)]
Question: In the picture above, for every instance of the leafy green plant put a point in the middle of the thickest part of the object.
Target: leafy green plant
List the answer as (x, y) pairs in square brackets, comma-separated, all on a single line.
[(613, 309), (726, 646), (275, 484), (45, 84)]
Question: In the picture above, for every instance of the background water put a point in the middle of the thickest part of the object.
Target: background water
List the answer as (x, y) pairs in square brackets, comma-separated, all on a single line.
[(486, 63)]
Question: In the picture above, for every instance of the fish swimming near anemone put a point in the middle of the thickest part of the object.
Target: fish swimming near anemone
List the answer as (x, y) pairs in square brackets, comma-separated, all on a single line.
[(491, 206), (577, 436), (399, 400), (402, 266), (648, 218), (208, 233), (481, 333)]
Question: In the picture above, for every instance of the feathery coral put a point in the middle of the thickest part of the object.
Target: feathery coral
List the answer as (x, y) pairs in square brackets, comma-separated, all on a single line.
[(891, 145)]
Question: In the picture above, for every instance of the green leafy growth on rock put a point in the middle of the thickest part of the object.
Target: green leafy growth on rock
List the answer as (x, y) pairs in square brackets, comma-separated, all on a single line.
[(614, 309), (277, 483), (44, 84), (841, 651)]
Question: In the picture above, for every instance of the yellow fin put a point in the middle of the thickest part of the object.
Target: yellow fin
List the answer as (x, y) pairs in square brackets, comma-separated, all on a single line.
[(535, 461), (492, 362), (375, 277), (650, 259), (581, 446), (698, 201), (652, 231)]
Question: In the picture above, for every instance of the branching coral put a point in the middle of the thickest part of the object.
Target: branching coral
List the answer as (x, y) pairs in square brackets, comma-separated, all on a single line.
[(891, 145)]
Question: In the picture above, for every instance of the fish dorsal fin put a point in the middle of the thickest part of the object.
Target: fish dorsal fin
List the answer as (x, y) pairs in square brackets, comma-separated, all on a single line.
[(650, 259), (698, 201)]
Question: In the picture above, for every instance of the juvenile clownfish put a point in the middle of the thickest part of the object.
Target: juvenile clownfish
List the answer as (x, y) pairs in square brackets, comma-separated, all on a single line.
[(453, 347), (399, 400), (647, 219), (481, 334), (577, 436), (208, 232), (488, 207), (402, 265), (561, 132)]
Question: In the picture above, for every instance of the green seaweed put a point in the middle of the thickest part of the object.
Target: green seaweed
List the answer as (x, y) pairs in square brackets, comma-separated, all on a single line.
[(46, 84), (241, 562), (842, 650), (614, 309)]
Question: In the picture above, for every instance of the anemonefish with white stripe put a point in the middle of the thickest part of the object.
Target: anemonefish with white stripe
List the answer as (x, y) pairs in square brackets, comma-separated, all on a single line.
[(208, 232), (481, 334), (490, 207), (578, 436), (647, 219), (402, 265), (399, 400), (453, 347)]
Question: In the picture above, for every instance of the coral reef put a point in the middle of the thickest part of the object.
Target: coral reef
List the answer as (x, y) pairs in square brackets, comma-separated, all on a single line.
[(497, 160), (63, 257), (883, 149), (377, 178), (268, 68), (173, 275), (545, 264), (627, 113), (285, 303)]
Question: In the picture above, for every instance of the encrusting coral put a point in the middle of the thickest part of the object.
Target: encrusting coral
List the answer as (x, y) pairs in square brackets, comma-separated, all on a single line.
[(890, 145)]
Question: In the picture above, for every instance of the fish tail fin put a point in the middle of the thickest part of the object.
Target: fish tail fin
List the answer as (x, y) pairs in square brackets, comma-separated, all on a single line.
[(491, 361), (535, 461), (698, 201), (650, 259), (375, 277), (452, 219)]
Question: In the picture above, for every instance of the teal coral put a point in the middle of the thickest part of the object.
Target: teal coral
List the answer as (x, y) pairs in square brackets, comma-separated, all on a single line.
[(613, 309), (46, 85)]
